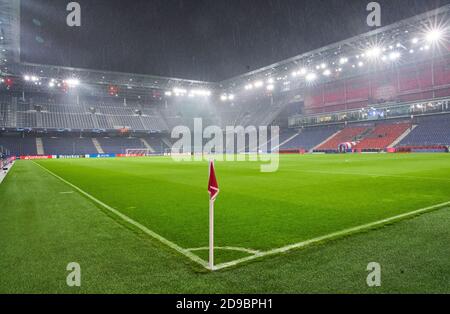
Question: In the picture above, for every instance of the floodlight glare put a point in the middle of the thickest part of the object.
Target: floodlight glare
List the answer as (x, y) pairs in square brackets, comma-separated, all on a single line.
[(394, 55), (374, 52), (71, 82), (327, 72), (258, 84), (311, 77), (270, 87), (434, 36), (343, 60)]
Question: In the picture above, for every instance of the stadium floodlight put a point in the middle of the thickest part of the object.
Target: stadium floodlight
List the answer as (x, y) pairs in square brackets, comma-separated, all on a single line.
[(168, 93), (27, 78), (393, 56), (310, 77), (415, 40), (51, 84), (72, 82), (323, 66), (360, 64), (223, 97), (200, 92), (303, 71), (434, 35), (231, 97), (411, 51), (270, 87), (258, 84), (327, 72), (343, 60), (374, 52), (249, 87), (179, 91), (270, 81)]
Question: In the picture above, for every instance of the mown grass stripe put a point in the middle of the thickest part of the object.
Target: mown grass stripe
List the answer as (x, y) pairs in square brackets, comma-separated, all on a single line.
[(149, 232)]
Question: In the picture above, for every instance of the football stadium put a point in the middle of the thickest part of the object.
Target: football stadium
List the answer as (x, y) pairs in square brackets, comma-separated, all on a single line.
[(328, 172)]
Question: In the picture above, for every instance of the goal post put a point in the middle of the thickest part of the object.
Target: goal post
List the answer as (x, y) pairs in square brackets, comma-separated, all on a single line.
[(138, 152)]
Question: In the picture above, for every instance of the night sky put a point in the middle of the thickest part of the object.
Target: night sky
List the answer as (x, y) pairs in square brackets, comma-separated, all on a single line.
[(209, 40)]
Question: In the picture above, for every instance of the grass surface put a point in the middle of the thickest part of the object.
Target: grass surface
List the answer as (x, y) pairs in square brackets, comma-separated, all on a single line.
[(42, 229)]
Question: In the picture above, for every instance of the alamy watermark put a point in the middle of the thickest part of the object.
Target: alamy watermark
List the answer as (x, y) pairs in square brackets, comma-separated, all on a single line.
[(234, 143)]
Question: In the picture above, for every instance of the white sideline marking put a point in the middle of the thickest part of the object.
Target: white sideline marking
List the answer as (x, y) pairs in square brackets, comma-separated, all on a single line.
[(151, 233), (226, 248), (68, 192), (257, 254)]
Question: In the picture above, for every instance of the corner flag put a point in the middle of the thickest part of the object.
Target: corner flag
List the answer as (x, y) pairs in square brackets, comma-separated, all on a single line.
[(213, 190), (213, 187)]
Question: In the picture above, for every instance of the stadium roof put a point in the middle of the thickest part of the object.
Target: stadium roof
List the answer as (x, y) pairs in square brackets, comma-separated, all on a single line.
[(325, 63)]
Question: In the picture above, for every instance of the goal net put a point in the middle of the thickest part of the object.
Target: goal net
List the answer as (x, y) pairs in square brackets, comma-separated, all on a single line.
[(137, 152)]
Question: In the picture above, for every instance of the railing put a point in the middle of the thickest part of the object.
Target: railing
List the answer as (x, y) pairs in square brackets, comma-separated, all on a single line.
[(373, 113)]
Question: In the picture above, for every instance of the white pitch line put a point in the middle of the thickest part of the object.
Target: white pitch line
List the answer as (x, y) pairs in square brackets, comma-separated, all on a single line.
[(256, 255), (226, 248), (330, 236), (151, 233)]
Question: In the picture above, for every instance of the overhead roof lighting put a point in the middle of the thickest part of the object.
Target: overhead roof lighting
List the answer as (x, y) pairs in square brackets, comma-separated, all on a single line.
[(327, 72), (270, 87), (374, 52), (258, 84), (343, 60), (394, 55), (311, 77), (72, 82), (434, 36)]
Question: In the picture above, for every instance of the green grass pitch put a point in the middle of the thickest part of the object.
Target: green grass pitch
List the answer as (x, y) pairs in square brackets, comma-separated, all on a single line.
[(45, 224)]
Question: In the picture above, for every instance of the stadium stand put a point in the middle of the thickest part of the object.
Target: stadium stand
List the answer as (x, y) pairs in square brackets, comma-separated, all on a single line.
[(68, 146), (349, 134), (307, 139), (119, 145), (19, 145), (432, 130), (382, 136)]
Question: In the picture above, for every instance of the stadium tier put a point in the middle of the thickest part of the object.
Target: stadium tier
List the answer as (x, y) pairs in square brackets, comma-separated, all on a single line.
[(383, 136), (306, 139), (349, 134), (44, 144), (433, 130), (14, 113)]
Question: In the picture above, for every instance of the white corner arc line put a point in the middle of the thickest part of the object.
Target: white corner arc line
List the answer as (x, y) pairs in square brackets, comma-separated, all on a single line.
[(149, 232), (226, 248), (258, 254), (330, 236)]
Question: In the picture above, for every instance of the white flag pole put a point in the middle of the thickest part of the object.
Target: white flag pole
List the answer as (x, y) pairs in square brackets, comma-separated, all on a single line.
[(211, 234)]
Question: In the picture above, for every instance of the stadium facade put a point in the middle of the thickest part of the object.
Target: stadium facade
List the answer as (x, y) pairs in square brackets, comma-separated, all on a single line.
[(385, 90)]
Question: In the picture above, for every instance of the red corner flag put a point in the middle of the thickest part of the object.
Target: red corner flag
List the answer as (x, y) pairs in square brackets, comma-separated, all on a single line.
[(213, 187), (213, 190)]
